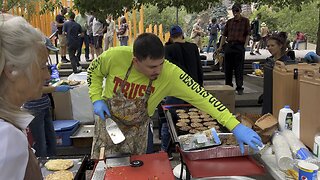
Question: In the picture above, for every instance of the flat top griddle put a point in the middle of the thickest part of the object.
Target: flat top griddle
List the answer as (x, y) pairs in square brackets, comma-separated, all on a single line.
[(76, 169), (174, 118)]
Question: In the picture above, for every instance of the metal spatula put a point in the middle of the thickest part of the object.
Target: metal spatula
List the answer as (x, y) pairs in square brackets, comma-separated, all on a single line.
[(114, 132)]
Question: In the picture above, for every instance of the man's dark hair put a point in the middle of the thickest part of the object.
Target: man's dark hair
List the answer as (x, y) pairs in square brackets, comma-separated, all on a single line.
[(72, 15), (236, 6), (148, 45), (259, 15), (213, 20), (64, 10)]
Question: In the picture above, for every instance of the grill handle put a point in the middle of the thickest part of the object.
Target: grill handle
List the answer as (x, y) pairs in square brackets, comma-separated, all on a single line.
[(172, 129)]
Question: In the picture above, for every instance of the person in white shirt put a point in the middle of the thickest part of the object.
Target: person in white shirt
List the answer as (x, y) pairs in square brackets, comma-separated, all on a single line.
[(108, 37), (23, 72), (98, 29)]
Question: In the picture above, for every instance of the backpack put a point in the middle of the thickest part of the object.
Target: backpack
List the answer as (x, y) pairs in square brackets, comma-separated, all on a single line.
[(214, 29)]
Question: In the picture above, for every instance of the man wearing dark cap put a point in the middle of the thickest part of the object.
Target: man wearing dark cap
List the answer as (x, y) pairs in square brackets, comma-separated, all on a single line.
[(186, 56), (236, 34)]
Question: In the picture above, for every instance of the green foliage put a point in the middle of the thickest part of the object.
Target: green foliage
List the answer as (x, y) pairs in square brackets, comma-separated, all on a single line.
[(291, 20), (28, 5), (219, 11), (49, 6), (103, 7), (305, 21), (267, 16), (167, 17), (291, 4)]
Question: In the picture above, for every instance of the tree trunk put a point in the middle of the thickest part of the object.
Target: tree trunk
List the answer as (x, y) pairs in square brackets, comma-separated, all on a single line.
[(177, 16), (318, 36)]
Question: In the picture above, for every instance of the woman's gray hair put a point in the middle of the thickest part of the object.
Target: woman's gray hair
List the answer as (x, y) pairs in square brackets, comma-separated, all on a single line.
[(19, 48)]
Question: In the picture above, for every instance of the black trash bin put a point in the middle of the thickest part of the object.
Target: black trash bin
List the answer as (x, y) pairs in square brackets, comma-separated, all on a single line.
[(267, 86)]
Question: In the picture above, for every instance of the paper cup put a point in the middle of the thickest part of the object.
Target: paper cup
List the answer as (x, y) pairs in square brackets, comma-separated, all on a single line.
[(285, 162), (307, 171)]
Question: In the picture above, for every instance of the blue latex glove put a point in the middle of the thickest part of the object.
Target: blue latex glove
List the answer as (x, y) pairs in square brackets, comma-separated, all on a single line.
[(63, 88), (246, 135), (101, 108)]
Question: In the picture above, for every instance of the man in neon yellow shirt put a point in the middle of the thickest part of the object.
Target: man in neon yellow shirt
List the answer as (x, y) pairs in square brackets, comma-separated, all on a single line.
[(138, 75)]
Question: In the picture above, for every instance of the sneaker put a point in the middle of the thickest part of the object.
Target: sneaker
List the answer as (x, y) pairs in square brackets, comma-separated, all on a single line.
[(258, 52), (216, 61), (79, 68), (240, 91), (64, 60), (251, 53), (170, 156), (88, 60)]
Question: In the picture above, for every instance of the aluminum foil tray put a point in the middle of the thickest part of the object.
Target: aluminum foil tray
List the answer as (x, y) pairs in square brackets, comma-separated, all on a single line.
[(217, 151), (204, 153)]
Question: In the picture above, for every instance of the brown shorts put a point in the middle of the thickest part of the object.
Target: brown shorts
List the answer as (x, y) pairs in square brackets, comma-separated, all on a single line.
[(62, 40)]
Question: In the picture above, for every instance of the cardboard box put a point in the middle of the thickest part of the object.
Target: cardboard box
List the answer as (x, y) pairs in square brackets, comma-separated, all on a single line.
[(309, 107), (265, 126), (286, 85), (223, 93), (82, 106), (63, 106), (74, 104)]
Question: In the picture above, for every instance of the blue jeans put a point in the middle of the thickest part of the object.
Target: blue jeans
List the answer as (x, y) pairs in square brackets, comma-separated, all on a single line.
[(124, 40), (73, 58), (43, 133), (213, 38), (165, 134), (85, 40)]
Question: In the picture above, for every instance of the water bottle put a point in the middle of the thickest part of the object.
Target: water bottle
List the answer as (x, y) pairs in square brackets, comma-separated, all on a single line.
[(285, 118), (54, 72), (296, 146), (296, 124), (282, 151)]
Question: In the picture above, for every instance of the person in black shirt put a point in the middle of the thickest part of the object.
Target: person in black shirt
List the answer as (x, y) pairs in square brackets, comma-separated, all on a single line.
[(73, 32), (255, 34), (62, 38), (186, 56)]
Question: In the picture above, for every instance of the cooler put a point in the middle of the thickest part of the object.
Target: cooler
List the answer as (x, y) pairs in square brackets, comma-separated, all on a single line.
[(64, 129), (286, 85), (309, 107)]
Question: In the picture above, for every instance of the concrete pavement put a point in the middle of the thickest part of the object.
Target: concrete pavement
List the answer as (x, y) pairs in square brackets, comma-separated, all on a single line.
[(264, 54)]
